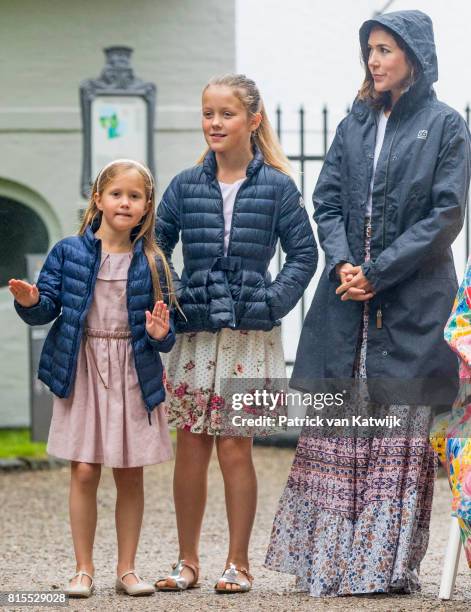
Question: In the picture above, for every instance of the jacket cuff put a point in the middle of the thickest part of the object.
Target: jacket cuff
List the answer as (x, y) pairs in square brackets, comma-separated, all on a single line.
[(369, 272), (330, 267), (29, 314), (165, 345)]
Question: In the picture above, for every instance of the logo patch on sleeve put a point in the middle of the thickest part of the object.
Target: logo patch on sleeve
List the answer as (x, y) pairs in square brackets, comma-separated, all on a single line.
[(422, 134)]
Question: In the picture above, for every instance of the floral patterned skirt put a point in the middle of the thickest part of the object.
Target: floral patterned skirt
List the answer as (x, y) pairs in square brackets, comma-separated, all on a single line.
[(355, 512), (201, 361)]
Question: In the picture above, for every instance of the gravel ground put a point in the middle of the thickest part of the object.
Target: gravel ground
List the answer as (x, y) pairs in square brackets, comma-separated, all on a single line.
[(37, 553)]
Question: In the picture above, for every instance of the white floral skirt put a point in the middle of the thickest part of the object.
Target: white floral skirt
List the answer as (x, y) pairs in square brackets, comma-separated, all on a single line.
[(201, 361)]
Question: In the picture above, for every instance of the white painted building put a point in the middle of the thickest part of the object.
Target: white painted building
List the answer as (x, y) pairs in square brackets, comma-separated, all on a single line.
[(47, 48)]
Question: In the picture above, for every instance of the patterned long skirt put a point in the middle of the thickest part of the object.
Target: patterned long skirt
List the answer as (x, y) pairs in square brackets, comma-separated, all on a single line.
[(354, 515)]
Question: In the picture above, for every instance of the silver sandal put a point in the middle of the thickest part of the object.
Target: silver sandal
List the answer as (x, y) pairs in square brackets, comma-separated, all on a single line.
[(230, 577), (181, 584)]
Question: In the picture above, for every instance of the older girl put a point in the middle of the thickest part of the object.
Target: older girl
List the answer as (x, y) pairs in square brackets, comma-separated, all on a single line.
[(230, 210)]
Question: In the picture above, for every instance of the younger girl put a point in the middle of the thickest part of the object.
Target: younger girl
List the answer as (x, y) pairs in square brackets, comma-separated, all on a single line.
[(230, 209), (101, 359)]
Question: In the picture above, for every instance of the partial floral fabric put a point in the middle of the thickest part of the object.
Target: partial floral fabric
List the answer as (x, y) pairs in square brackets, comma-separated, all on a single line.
[(203, 363), (451, 433)]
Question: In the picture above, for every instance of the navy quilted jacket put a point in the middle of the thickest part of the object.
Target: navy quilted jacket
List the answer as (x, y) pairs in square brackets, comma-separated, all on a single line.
[(66, 285), (235, 290)]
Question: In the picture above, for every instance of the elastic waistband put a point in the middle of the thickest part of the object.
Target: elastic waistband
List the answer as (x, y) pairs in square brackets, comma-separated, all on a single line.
[(104, 333)]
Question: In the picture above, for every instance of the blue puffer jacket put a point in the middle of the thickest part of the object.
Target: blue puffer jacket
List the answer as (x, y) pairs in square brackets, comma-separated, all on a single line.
[(235, 290), (66, 285)]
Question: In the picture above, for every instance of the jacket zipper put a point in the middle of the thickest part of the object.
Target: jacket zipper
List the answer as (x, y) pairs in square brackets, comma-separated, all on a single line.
[(132, 337), (86, 307), (379, 311), (233, 321)]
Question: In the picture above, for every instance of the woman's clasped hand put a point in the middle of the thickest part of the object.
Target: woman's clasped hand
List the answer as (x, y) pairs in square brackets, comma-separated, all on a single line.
[(353, 283)]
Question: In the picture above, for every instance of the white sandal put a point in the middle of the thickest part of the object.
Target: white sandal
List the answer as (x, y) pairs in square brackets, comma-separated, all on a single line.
[(137, 589), (78, 589)]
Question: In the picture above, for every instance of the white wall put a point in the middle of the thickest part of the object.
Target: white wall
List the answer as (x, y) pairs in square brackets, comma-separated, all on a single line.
[(47, 48)]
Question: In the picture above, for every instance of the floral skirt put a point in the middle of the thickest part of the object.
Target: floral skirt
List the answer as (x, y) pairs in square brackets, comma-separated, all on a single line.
[(201, 361), (355, 512)]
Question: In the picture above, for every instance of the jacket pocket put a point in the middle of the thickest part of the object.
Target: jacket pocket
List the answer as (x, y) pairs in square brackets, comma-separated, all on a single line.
[(194, 301), (195, 291), (252, 305)]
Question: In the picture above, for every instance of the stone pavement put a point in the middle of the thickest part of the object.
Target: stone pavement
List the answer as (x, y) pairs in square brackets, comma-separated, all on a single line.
[(36, 551)]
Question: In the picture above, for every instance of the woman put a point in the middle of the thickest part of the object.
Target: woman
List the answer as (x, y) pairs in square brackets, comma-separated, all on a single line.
[(389, 202)]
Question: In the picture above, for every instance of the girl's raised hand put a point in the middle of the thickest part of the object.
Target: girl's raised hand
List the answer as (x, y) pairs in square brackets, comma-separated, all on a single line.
[(25, 294), (157, 322)]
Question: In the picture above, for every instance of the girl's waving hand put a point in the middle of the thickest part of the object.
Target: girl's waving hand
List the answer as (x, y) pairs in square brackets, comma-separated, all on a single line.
[(25, 294), (157, 322)]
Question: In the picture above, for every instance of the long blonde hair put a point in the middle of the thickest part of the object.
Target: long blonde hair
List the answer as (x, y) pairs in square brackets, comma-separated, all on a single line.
[(264, 136), (146, 227)]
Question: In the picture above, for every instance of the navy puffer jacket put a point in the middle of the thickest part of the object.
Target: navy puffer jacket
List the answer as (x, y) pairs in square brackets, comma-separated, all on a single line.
[(66, 285), (235, 290)]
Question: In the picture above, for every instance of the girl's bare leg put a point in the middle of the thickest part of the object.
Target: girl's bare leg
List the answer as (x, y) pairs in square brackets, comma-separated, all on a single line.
[(189, 492), (240, 483), (84, 479), (128, 516)]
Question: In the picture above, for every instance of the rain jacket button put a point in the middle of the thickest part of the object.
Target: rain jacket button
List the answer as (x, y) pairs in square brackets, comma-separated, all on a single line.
[(385, 353)]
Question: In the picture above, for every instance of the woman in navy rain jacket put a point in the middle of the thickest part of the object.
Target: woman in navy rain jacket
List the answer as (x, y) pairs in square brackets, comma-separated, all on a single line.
[(389, 202)]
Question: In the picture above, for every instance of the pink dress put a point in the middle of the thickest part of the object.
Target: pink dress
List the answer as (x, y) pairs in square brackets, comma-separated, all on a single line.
[(104, 420)]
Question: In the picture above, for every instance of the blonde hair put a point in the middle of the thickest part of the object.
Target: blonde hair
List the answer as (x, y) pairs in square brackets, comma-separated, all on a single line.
[(146, 227), (367, 92), (264, 137)]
